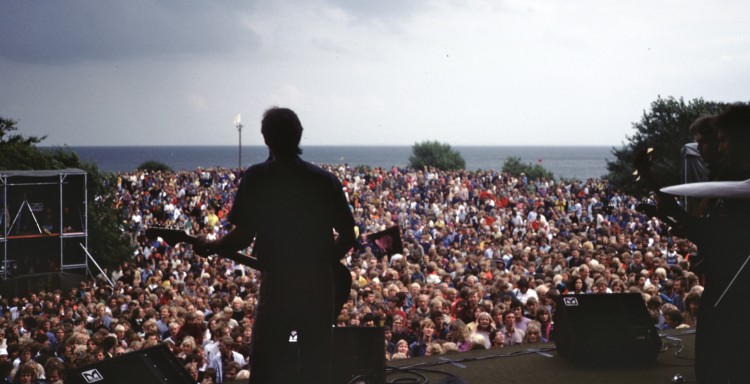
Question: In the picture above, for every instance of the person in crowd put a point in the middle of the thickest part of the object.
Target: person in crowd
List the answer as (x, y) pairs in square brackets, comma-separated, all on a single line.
[(544, 318), (460, 335), (521, 320), (484, 327), (426, 337), (522, 292), (498, 338), (25, 374), (513, 335), (402, 349), (533, 334), (692, 305)]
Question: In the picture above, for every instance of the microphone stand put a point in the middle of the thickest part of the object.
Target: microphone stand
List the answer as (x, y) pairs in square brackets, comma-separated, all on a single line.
[(732, 282)]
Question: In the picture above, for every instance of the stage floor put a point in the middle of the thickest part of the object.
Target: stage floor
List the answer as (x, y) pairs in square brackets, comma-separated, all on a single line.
[(520, 365)]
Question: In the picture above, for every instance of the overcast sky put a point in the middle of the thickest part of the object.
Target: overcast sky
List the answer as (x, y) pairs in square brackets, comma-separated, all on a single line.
[(517, 72)]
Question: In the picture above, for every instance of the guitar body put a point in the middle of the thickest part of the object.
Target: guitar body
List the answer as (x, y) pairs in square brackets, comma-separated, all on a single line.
[(342, 284), (342, 276)]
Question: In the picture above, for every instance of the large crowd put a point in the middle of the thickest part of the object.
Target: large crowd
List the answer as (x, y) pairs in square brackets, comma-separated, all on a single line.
[(485, 255)]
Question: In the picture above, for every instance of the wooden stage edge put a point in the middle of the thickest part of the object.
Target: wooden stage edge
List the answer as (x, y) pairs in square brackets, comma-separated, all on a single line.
[(520, 364)]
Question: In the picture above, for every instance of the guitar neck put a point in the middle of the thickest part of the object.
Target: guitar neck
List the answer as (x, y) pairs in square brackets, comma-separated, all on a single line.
[(173, 236), (651, 182), (643, 166), (241, 258)]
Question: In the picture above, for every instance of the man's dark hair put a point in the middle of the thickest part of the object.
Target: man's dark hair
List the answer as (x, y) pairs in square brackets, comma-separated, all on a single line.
[(109, 342), (516, 304), (674, 315), (705, 125), (369, 317), (508, 312), (435, 314), (735, 121), (41, 338), (282, 131), (523, 283)]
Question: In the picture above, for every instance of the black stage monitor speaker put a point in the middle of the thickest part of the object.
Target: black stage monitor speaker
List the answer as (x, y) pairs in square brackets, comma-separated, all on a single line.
[(358, 353), (605, 329), (155, 365)]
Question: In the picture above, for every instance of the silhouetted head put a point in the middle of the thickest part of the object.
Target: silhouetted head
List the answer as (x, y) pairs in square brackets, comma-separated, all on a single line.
[(282, 131), (733, 133), (704, 132)]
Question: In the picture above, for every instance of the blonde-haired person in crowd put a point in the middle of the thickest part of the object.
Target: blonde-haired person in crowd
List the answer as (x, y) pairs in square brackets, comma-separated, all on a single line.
[(533, 334)]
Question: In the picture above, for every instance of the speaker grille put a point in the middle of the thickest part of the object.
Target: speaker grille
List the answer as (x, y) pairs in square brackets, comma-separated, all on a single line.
[(609, 329)]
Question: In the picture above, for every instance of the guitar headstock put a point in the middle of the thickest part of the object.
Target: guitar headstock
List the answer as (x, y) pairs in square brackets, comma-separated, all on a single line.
[(642, 164)]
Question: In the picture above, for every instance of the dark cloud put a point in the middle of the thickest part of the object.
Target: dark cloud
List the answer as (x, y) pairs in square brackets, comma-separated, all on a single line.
[(47, 32)]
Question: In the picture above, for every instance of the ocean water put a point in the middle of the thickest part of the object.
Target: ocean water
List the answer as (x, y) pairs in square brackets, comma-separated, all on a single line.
[(564, 162)]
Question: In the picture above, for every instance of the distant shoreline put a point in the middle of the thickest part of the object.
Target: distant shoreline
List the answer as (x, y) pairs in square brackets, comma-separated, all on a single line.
[(570, 162), (319, 145)]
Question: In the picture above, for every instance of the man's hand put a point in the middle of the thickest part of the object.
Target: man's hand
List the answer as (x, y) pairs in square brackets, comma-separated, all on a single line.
[(203, 247), (667, 206)]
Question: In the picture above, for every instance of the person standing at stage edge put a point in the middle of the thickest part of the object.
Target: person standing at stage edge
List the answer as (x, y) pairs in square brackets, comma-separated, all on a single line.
[(722, 240), (291, 209)]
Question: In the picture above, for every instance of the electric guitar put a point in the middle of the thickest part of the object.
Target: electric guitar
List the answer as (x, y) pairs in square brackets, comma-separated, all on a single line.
[(643, 171), (342, 276)]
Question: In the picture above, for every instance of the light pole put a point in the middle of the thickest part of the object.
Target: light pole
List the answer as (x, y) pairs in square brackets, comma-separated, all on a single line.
[(238, 124)]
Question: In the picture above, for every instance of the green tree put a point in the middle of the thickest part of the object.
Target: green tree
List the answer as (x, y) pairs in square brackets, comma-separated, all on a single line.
[(107, 241), (514, 166), (665, 128), (437, 155), (7, 126), (154, 166)]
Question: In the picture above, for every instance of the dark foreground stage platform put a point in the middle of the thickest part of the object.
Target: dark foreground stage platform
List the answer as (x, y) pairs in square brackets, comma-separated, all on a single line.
[(519, 365)]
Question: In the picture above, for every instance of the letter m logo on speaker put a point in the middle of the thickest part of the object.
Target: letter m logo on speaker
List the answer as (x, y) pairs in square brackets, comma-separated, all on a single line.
[(92, 376), (570, 301)]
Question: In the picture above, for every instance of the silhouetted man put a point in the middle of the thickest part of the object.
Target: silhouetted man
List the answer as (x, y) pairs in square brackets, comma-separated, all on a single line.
[(722, 239), (290, 208)]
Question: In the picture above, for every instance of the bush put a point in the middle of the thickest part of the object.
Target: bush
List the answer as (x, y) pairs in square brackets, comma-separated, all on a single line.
[(154, 166), (515, 167), (436, 155)]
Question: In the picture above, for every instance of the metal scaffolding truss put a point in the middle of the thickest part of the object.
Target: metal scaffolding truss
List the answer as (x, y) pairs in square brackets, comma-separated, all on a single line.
[(43, 222)]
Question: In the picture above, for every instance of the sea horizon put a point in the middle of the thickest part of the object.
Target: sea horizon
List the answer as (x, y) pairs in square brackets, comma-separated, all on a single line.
[(324, 145), (564, 161)]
